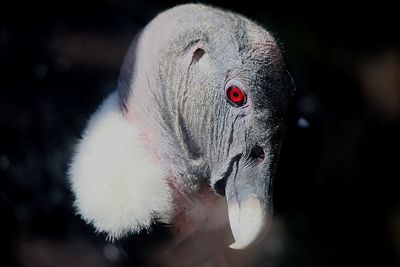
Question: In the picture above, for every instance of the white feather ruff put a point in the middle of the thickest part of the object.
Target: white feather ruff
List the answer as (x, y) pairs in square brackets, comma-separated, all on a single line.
[(116, 185)]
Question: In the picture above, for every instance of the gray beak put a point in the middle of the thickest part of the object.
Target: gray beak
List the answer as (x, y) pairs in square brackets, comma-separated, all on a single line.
[(249, 197)]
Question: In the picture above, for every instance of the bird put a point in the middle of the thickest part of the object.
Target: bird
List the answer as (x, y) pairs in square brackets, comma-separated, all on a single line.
[(190, 138)]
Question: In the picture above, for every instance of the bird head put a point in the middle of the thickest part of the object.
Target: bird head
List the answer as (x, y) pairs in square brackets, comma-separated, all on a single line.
[(208, 90)]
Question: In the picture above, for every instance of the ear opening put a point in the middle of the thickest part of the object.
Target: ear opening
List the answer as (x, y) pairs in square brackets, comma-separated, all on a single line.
[(193, 53), (198, 54)]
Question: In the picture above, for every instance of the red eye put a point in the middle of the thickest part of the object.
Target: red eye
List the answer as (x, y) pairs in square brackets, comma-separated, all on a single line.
[(236, 97)]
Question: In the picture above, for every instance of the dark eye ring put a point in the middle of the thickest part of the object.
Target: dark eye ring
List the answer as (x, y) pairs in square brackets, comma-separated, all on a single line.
[(235, 96)]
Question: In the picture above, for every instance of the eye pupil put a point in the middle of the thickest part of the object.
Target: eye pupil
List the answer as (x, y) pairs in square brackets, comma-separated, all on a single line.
[(236, 97)]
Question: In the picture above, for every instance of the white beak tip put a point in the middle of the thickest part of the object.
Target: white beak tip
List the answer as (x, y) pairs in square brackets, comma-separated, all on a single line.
[(237, 246), (248, 222)]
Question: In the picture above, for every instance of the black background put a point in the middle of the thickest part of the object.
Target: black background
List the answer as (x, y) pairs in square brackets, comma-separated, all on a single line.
[(337, 191)]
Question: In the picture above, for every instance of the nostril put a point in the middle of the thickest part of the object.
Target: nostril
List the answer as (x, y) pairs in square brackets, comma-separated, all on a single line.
[(258, 153), (219, 187)]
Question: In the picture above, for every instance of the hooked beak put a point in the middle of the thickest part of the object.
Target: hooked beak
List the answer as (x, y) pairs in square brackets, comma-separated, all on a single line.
[(249, 199)]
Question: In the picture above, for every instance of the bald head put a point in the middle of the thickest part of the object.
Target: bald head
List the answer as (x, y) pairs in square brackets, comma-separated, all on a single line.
[(175, 74)]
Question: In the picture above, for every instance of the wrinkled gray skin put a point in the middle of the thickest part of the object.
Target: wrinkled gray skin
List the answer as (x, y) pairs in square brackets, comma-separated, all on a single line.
[(175, 89)]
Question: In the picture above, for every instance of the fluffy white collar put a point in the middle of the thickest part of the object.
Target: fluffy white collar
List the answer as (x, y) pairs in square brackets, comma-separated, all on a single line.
[(117, 187)]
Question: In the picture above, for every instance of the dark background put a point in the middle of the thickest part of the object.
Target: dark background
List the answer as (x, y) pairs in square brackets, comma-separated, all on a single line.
[(337, 194)]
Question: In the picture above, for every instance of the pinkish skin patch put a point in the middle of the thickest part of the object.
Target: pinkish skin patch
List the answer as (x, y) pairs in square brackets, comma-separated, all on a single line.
[(276, 57), (150, 137), (203, 201)]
